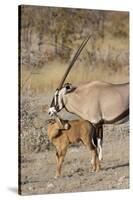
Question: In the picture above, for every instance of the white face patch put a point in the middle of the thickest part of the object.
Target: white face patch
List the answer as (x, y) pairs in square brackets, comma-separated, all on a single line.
[(55, 97), (61, 93)]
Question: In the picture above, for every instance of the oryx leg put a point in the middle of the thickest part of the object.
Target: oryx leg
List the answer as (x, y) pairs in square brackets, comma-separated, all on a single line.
[(99, 134), (99, 148)]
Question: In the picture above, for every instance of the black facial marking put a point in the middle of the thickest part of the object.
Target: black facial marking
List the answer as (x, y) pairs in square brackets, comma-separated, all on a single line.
[(52, 103)]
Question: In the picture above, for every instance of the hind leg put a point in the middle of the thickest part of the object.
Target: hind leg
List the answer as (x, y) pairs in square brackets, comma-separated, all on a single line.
[(93, 160), (95, 163), (99, 135), (98, 165), (99, 149), (90, 140), (87, 141)]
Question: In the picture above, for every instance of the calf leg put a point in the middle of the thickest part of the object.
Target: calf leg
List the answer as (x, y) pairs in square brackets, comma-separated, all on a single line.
[(95, 163), (59, 160), (91, 142), (93, 160)]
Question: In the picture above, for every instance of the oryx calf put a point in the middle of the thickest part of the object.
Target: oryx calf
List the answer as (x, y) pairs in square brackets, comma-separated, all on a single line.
[(69, 132)]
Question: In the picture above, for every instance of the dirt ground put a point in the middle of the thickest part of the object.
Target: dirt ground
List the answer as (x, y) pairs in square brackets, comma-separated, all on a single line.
[(38, 169)]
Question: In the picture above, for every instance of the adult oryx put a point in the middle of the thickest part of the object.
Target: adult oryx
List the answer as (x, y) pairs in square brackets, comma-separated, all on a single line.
[(98, 102)]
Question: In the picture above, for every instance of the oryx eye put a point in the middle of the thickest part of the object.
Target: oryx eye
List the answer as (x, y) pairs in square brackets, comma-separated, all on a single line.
[(57, 108)]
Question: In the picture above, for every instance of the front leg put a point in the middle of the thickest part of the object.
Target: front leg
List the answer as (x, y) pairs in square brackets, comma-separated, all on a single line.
[(59, 160)]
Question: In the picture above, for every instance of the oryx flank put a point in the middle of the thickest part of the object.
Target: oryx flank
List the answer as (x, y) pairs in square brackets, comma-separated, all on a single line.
[(98, 102)]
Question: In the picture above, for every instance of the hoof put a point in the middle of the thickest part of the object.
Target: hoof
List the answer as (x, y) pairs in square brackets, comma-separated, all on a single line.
[(100, 158), (93, 170), (98, 169), (56, 176)]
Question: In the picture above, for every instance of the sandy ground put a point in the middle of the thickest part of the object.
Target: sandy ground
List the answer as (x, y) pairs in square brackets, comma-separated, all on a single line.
[(38, 169)]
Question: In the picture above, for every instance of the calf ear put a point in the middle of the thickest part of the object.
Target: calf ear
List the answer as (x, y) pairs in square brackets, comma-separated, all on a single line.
[(59, 123), (67, 126)]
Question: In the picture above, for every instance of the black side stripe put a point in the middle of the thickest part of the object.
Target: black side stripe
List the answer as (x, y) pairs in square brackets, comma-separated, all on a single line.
[(121, 116)]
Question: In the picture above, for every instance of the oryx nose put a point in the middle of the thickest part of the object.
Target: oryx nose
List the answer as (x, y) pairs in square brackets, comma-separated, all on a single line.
[(49, 112)]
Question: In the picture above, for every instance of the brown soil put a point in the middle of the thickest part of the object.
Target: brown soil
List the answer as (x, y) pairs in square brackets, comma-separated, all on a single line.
[(38, 169)]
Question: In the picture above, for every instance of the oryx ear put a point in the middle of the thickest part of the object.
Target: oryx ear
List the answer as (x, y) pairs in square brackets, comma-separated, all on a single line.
[(56, 91)]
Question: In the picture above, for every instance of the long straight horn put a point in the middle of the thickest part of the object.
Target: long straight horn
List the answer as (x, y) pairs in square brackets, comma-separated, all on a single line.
[(74, 60)]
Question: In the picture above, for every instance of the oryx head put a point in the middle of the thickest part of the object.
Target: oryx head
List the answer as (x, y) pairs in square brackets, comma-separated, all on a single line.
[(57, 103)]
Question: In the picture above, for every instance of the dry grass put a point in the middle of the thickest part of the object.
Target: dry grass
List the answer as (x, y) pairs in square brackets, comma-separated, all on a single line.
[(49, 77), (105, 60)]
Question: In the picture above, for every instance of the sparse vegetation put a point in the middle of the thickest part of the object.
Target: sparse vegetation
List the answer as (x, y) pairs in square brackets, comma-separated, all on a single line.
[(33, 135), (50, 36), (48, 39)]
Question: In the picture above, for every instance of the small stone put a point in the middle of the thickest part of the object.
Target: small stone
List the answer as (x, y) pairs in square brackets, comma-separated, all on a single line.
[(121, 179), (50, 185), (30, 188)]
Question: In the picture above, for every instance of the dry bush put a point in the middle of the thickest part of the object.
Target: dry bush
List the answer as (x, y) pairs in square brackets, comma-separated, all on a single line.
[(33, 136), (102, 59)]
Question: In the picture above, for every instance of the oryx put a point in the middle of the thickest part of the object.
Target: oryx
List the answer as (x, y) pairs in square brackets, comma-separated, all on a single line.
[(98, 102)]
